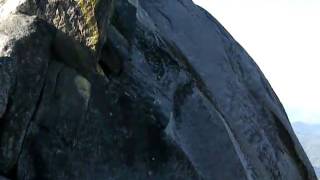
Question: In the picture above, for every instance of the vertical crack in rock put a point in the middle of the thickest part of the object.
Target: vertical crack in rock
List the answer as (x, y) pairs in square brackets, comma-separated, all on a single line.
[(203, 92), (32, 119), (236, 145), (291, 149)]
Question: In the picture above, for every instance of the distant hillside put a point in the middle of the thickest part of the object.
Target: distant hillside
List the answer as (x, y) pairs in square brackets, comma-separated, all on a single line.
[(317, 171), (309, 136)]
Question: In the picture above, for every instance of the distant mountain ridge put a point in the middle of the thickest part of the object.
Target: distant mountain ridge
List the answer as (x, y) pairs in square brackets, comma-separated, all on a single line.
[(309, 136), (317, 169), (306, 128)]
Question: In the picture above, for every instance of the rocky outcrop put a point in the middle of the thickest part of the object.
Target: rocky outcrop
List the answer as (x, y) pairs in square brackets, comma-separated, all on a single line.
[(128, 89)]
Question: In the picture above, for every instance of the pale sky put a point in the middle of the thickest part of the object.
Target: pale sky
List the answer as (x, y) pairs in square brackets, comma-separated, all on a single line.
[(283, 37)]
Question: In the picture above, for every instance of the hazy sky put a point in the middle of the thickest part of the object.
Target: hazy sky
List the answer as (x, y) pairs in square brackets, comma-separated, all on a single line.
[(283, 36)]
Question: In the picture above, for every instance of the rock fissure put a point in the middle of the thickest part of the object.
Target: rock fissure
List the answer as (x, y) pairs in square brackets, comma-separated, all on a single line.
[(32, 119), (291, 149), (235, 142)]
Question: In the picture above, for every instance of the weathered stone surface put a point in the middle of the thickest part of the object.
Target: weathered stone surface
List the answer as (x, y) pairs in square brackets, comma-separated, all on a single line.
[(6, 82), (3, 178), (173, 96), (73, 17), (28, 47)]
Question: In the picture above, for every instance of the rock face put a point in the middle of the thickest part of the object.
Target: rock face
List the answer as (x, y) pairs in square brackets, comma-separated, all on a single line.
[(135, 89)]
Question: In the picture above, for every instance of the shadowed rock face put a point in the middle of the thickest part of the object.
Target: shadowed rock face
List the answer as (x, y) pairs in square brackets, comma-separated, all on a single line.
[(166, 93)]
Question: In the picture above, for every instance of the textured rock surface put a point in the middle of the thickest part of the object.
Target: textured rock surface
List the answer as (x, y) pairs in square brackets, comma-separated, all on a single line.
[(3, 178), (74, 17), (164, 93)]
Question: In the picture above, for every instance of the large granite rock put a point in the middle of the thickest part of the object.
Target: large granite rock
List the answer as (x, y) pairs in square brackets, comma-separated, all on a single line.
[(129, 89)]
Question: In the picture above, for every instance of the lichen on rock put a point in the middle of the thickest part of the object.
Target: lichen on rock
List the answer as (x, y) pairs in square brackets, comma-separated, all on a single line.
[(87, 9), (76, 18)]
